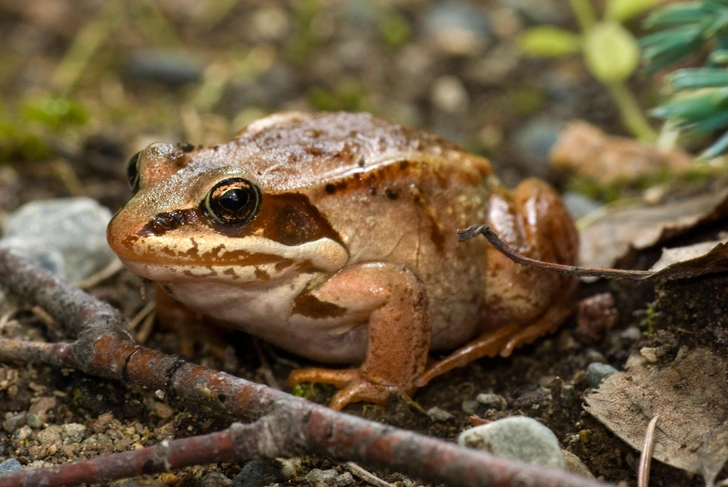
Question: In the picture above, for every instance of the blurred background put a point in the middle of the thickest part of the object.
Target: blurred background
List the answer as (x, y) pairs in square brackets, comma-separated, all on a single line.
[(87, 83)]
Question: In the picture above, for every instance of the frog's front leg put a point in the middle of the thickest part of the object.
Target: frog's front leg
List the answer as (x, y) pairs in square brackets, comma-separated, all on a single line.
[(399, 332)]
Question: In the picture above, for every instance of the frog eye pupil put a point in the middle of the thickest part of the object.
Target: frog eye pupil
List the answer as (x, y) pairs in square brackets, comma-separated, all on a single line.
[(232, 201), (132, 172)]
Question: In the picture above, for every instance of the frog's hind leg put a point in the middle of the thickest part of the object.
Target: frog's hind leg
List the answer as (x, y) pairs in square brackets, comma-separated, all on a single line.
[(521, 304), (498, 342)]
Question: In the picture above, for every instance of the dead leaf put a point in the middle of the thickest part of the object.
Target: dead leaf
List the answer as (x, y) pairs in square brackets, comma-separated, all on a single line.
[(585, 150), (612, 237), (689, 395)]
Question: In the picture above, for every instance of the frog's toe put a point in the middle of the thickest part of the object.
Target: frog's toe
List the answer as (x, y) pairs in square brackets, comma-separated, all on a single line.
[(338, 378), (361, 390)]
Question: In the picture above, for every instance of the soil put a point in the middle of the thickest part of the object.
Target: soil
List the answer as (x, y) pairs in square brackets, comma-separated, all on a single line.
[(309, 65)]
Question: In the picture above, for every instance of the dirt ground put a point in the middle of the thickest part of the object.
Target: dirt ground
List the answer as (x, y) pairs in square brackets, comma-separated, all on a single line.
[(218, 70)]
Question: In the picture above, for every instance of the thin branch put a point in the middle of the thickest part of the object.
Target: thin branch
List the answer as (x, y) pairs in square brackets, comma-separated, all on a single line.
[(292, 426), (643, 475), (570, 270)]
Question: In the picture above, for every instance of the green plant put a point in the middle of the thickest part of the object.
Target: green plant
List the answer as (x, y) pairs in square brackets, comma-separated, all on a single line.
[(610, 51), (699, 102)]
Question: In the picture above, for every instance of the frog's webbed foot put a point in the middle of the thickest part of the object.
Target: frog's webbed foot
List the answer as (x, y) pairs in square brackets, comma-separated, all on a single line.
[(501, 341), (354, 387)]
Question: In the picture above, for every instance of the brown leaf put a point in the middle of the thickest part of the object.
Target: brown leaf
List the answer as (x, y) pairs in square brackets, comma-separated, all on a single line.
[(639, 227), (689, 395), (587, 151)]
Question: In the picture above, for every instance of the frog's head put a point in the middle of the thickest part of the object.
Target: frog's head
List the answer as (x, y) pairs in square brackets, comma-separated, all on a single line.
[(196, 213)]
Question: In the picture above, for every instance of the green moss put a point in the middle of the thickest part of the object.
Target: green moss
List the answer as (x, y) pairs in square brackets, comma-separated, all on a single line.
[(395, 30), (348, 95)]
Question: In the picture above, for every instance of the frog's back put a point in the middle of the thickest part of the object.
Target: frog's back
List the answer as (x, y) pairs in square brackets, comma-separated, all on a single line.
[(292, 150)]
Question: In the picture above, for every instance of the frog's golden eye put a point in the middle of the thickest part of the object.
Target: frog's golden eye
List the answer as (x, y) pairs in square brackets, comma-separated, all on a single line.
[(232, 201), (132, 172)]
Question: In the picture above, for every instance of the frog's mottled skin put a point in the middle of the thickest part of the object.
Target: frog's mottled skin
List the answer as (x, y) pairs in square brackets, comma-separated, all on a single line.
[(352, 256)]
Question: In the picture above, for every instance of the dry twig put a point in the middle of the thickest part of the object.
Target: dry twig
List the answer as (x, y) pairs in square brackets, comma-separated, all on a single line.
[(643, 475), (289, 425)]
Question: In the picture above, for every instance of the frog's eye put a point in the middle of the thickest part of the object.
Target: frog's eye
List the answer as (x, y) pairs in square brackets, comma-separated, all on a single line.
[(132, 172), (232, 201)]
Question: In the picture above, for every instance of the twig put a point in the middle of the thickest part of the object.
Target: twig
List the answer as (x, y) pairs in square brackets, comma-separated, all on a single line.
[(570, 270), (114, 266), (104, 348), (643, 475), (366, 475)]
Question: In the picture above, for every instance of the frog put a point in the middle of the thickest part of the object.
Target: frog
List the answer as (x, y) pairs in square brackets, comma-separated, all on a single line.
[(334, 236)]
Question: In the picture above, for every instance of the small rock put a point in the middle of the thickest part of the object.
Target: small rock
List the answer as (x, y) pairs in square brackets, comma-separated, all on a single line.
[(470, 406), (576, 466), (518, 438), (492, 401), (67, 236), (578, 205), (72, 433), (10, 465), (320, 478), (167, 66), (449, 95), (49, 436), (22, 433), (270, 23), (288, 466), (535, 138), (344, 480), (215, 479), (162, 410), (138, 483), (14, 422), (650, 354), (597, 372), (568, 395), (257, 473), (631, 334), (595, 356), (439, 415), (34, 421), (457, 28), (102, 423)]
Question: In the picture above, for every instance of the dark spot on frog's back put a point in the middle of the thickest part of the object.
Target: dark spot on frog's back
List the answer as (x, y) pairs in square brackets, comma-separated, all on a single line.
[(310, 306)]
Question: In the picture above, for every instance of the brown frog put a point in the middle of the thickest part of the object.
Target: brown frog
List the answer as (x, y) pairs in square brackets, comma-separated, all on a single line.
[(334, 236)]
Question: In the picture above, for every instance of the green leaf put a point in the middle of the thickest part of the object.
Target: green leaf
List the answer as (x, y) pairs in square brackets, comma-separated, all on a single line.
[(698, 78), (710, 123), (694, 108), (622, 10), (719, 57), (717, 148), (685, 13), (611, 52), (549, 42)]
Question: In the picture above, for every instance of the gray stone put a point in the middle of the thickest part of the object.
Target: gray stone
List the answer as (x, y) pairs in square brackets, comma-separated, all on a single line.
[(440, 415), (597, 372), (10, 465), (257, 473), (631, 334), (321, 478), (518, 438), (470, 406), (215, 479), (344, 480), (535, 138), (491, 401), (457, 28), (66, 236), (578, 205), (72, 433), (168, 66), (576, 466), (34, 421), (14, 422)]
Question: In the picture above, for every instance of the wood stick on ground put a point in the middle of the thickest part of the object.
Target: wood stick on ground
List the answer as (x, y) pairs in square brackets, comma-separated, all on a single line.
[(292, 426)]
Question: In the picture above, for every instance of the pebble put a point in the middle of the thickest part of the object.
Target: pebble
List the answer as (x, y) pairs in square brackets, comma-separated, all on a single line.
[(518, 438), (14, 422), (66, 236), (288, 466), (270, 23), (10, 465), (321, 478), (578, 205), (535, 138), (72, 433), (49, 436), (631, 334), (167, 66), (439, 415), (597, 372), (257, 473), (491, 401), (469, 406), (344, 480), (650, 354), (215, 479), (449, 95), (457, 28), (576, 466), (22, 433)]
